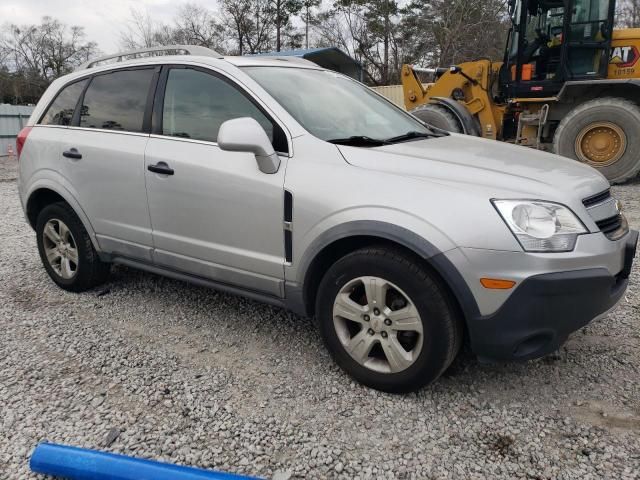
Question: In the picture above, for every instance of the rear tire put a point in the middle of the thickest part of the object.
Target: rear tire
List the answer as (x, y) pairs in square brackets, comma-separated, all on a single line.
[(405, 344), (439, 117), (603, 133), (66, 250)]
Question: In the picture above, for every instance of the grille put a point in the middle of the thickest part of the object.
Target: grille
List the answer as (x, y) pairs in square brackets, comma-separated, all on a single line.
[(603, 208), (596, 199), (610, 225)]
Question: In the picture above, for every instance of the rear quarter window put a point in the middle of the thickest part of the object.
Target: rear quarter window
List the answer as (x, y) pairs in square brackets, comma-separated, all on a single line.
[(117, 100), (60, 112)]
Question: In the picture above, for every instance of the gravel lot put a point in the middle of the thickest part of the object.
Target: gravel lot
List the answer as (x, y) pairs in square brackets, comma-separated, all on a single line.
[(157, 368)]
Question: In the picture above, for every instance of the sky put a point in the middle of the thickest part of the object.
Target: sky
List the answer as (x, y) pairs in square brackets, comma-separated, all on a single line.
[(102, 20)]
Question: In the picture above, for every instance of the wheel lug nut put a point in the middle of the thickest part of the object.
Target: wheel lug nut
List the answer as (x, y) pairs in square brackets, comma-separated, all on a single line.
[(366, 318), (376, 311), (387, 322), (384, 334), (371, 332)]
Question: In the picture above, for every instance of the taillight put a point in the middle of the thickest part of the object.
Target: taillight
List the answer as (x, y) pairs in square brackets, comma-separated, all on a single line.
[(21, 139)]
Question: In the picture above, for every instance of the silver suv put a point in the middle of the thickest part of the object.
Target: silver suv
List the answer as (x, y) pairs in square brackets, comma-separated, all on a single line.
[(297, 186)]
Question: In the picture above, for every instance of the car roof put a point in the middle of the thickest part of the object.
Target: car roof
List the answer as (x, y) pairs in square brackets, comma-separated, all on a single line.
[(182, 54), (237, 61)]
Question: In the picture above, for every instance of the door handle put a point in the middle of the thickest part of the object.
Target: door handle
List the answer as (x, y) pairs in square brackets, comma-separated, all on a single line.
[(161, 168), (72, 153)]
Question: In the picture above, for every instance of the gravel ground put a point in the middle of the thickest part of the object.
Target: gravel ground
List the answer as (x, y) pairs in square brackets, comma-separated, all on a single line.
[(156, 368)]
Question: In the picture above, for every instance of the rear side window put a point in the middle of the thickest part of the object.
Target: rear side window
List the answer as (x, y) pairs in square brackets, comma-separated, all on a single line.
[(60, 112), (117, 100), (197, 103)]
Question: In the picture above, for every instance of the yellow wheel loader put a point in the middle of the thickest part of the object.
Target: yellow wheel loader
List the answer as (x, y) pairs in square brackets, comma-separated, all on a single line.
[(569, 83)]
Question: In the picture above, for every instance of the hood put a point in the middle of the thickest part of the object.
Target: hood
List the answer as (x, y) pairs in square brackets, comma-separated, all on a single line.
[(494, 168)]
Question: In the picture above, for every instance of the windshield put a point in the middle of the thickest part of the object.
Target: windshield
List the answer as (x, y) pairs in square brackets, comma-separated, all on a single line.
[(332, 107)]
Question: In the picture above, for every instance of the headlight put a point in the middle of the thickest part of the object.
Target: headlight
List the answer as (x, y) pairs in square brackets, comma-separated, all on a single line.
[(541, 226)]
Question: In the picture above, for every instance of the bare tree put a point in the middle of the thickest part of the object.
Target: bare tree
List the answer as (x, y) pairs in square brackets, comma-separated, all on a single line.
[(446, 32), (282, 11), (259, 28), (142, 31), (366, 30), (251, 23), (307, 15), (35, 55), (196, 25), (235, 18), (628, 13), (339, 26)]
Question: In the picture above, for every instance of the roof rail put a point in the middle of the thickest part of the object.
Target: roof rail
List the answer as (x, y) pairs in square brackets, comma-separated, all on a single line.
[(152, 52)]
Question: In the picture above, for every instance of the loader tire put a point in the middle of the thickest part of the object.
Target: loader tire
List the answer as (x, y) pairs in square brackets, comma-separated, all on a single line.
[(603, 133), (439, 117)]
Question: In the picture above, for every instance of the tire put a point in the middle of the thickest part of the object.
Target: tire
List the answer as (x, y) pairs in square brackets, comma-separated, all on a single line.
[(618, 120), (424, 357), (78, 267), (439, 117)]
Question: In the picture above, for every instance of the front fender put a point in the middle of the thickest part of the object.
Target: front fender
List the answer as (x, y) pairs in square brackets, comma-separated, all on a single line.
[(432, 250)]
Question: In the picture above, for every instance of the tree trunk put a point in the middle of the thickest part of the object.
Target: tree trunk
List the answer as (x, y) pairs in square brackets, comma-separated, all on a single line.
[(307, 29), (278, 23), (385, 66), (278, 35)]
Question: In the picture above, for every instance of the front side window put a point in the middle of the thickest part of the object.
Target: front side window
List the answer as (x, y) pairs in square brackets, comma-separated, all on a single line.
[(331, 106), (589, 21), (589, 36), (60, 112), (117, 100), (196, 104)]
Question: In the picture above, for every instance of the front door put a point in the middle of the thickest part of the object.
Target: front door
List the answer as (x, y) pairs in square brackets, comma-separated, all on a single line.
[(213, 213), (589, 31)]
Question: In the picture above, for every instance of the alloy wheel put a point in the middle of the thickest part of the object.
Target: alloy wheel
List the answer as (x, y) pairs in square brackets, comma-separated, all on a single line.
[(60, 248), (378, 324)]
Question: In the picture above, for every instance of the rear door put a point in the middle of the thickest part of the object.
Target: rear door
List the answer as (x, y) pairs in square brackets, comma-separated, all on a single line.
[(216, 215), (103, 158)]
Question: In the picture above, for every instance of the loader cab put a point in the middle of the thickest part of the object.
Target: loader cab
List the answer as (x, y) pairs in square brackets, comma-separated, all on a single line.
[(554, 41)]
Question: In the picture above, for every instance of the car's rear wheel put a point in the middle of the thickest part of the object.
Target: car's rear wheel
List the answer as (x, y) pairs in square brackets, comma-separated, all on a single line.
[(66, 250), (387, 321)]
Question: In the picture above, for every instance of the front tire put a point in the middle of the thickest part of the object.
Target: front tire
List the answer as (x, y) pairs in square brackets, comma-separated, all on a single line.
[(66, 250), (439, 117), (603, 133), (388, 322)]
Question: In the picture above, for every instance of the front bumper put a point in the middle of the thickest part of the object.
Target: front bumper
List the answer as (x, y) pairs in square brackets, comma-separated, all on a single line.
[(545, 309)]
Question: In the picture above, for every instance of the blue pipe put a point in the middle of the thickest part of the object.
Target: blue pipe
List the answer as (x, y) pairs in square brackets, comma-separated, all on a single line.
[(75, 463)]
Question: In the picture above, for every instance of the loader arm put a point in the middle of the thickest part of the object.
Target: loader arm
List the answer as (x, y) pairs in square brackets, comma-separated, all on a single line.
[(475, 94)]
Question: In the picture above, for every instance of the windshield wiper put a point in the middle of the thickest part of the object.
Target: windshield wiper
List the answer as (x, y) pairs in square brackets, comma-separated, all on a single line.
[(359, 141), (414, 135)]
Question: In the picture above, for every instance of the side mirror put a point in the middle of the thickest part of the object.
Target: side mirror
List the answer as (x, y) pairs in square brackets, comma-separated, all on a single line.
[(246, 135)]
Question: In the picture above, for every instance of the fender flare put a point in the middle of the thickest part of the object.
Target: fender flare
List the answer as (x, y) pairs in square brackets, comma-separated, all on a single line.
[(49, 184), (468, 123), (418, 245)]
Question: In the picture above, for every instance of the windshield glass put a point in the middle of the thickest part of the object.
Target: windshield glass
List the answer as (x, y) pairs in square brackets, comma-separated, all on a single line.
[(331, 106)]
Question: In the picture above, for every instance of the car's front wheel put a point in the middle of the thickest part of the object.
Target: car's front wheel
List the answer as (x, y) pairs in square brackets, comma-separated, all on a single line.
[(387, 320)]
